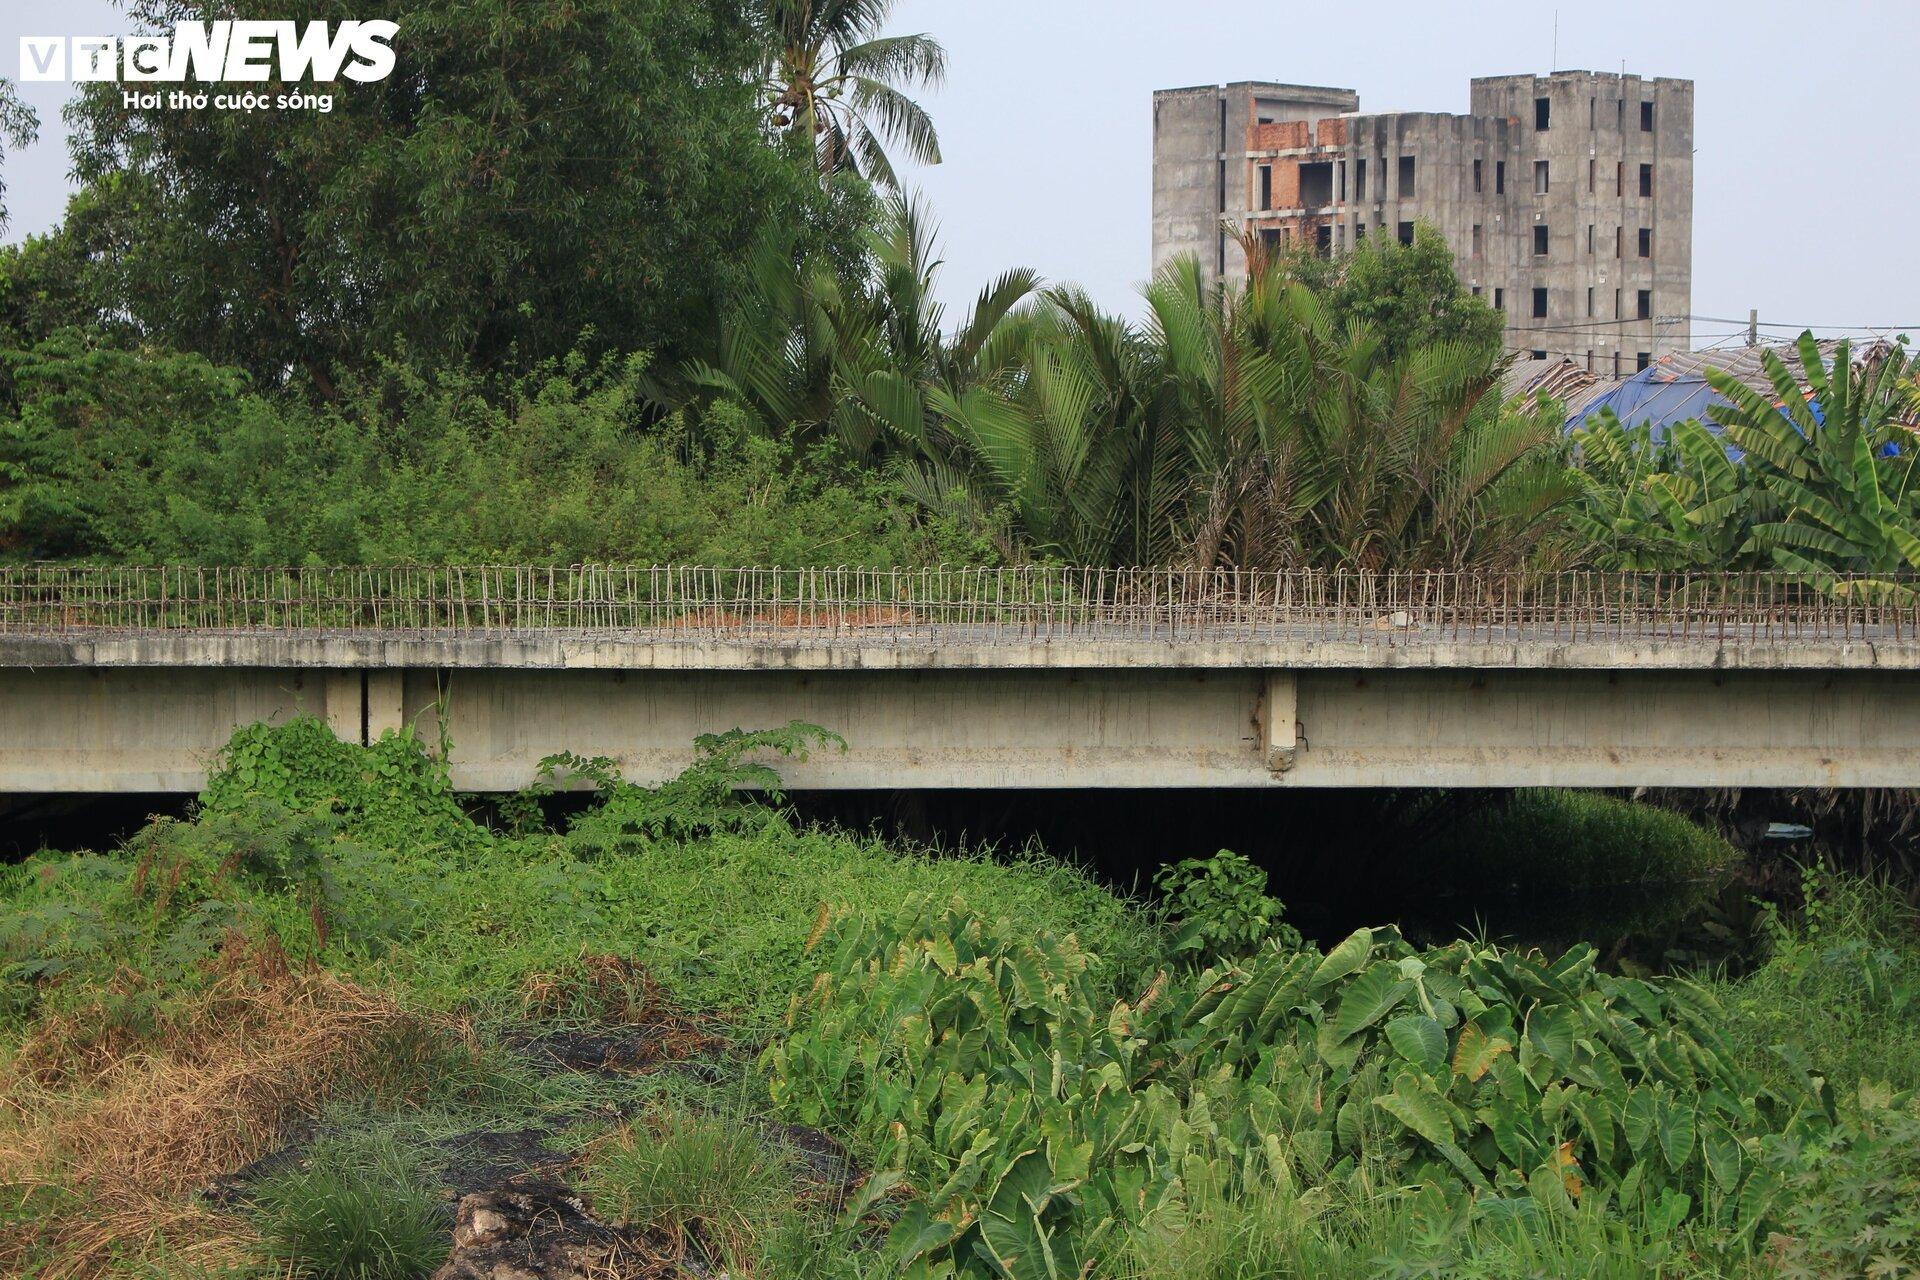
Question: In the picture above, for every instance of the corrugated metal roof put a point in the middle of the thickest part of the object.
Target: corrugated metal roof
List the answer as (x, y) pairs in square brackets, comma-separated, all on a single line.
[(1674, 388)]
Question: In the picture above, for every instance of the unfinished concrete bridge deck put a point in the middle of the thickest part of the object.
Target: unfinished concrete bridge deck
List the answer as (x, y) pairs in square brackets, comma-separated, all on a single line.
[(131, 679)]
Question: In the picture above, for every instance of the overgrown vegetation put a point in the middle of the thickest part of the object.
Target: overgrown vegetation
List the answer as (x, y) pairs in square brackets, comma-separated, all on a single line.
[(1028, 1071)]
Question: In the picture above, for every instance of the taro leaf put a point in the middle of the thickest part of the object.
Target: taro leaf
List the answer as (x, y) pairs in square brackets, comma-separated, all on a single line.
[(1596, 1121), (1639, 1117), (1419, 1040), (1757, 1196), (1344, 959), (1350, 1125), (1419, 1110), (1468, 1170), (1551, 1031), (1722, 1151), (1018, 1247), (916, 1234), (1369, 998), (1312, 1148), (1676, 1132), (1475, 1051)]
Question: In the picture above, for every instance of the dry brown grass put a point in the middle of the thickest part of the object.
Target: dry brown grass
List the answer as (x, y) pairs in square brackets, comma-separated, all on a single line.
[(117, 1130)]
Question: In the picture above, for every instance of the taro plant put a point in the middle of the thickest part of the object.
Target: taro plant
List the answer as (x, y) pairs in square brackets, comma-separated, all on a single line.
[(1031, 1127)]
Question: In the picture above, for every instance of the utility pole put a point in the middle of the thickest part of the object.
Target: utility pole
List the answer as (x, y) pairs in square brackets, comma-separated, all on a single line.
[(1753, 326)]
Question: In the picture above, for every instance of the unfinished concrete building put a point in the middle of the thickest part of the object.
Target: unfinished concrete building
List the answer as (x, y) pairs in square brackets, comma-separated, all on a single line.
[(1567, 199)]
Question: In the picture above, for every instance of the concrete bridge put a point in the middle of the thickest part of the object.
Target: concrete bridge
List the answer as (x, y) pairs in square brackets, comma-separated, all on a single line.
[(130, 680)]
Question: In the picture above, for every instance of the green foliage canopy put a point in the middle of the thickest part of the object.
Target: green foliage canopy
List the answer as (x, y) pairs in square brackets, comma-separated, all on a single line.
[(527, 174)]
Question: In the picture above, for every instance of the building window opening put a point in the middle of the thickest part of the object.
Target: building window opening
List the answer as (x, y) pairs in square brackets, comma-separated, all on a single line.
[(1499, 299), (1266, 186), (1646, 242), (1593, 122), (1539, 304), (1589, 237), (1316, 184), (1323, 240), (1646, 179), (1593, 175), (1478, 241), (1643, 304), (1618, 232), (1589, 302), (1539, 177), (1537, 354), (1342, 196), (1476, 177), (1543, 114), (1646, 118), (1406, 233), (1616, 364), (1499, 177), (1406, 177), (1642, 360), (1620, 178), (1540, 242), (1359, 179)]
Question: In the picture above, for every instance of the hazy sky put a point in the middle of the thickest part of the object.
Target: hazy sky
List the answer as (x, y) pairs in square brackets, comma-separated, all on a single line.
[(1805, 182)]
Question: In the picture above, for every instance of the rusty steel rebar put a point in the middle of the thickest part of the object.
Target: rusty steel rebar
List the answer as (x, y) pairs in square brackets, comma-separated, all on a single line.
[(980, 604)]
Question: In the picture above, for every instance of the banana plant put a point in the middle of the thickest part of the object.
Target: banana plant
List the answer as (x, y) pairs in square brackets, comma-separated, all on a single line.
[(1835, 466)]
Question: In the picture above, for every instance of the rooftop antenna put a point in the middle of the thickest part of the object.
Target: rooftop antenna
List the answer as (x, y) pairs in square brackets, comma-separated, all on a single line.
[(1555, 64)]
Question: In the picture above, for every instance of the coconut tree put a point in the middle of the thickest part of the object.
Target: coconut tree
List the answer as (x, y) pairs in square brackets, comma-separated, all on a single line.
[(831, 76), (803, 346)]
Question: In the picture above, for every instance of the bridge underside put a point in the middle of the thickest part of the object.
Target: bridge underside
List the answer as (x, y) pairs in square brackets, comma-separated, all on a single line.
[(153, 729)]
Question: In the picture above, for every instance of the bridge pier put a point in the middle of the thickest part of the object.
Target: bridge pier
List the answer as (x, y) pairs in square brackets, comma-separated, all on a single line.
[(1279, 720)]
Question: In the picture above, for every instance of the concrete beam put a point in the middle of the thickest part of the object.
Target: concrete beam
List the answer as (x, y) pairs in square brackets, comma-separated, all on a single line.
[(1388, 649), (153, 729)]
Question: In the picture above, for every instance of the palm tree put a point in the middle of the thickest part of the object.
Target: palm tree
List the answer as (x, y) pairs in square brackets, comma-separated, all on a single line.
[(803, 347), (832, 77)]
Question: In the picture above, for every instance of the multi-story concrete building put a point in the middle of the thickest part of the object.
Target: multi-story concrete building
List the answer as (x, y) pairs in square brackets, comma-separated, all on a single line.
[(1567, 199)]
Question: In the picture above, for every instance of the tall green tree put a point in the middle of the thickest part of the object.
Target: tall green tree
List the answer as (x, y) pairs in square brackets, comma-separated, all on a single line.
[(832, 77), (19, 127), (528, 173), (1408, 296)]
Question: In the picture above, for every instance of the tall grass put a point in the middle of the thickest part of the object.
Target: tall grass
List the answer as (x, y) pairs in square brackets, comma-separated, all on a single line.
[(711, 1181), (360, 1209)]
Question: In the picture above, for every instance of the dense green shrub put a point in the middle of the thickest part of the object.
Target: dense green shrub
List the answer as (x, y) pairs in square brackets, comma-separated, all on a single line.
[(1219, 906), (392, 792), (156, 457), (712, 890), (1577, 840), (1840, 991)]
